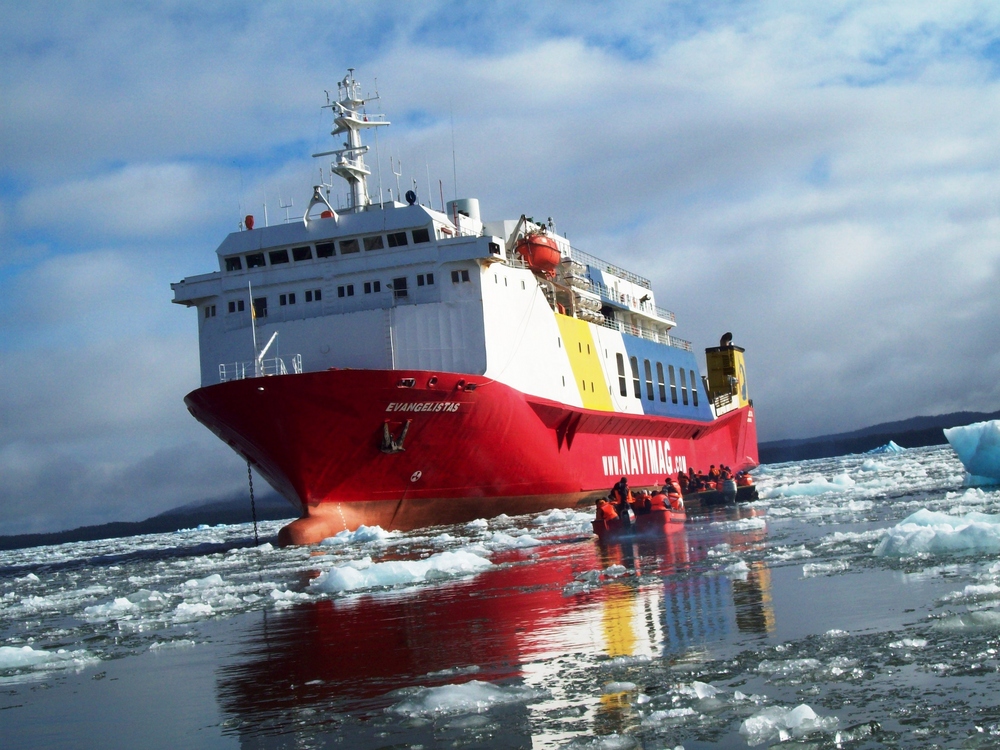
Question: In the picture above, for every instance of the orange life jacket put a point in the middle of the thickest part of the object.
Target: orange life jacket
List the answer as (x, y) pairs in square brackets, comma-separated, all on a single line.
[(606, 511), (658, 502)]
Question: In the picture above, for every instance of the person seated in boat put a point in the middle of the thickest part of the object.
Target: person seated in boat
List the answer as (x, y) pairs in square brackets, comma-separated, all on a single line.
[(621, 497), (641, 504), (724, 472), (682, 482), (658, 502), (605, 510), (713, 474), (674, 496), (743, 479)]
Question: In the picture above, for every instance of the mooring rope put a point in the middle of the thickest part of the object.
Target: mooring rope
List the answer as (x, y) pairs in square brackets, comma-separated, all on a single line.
[(253, 506)]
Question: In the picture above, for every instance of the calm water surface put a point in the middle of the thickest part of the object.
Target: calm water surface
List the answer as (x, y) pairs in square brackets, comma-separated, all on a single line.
[(525, 632)]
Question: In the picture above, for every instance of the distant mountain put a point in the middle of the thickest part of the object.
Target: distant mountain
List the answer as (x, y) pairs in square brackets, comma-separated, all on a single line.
[(270, 507), (915, 432)]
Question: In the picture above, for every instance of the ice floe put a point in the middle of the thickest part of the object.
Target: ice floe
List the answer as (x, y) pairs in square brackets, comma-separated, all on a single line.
[(978, 448), (777, 723), (396, 572), (931, 532), (469, 697)]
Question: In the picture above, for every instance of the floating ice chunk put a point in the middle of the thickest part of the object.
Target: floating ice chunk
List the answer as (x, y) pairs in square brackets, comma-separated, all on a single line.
[(204, 583), (870, 464), (929, 532), (983, 620), (395, 572), (909, 643), (478, 525), (615, 571), (777, 723), (468, 698), (25, 657), (978, 448), (811, 570), (699, 690), (120, 606), (817, 486), (30, 578), (186, 611), (502, 540), (659, 717), (788, 667), (359, 536), (179, 643), (738, 570)]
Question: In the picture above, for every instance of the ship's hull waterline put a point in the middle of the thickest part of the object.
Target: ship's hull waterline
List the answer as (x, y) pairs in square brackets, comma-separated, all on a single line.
[(406, 449)]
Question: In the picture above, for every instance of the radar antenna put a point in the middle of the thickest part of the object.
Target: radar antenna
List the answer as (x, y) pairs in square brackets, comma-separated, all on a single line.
[(350, 117)]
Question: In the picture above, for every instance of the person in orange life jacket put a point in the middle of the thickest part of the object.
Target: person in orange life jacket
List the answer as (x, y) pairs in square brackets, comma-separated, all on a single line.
[(605, 510), (621, 496), (658, 501), (743, 479), (674, 495), (713, 474)]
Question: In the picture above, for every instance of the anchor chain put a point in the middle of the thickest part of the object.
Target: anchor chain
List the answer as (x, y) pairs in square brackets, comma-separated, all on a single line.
[(253, 506)]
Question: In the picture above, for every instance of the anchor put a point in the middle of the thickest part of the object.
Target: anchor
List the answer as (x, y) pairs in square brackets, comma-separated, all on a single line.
[(391, 444)]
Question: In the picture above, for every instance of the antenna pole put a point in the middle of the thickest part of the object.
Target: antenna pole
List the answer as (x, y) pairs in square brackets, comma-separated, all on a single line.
[(429, 193), (441, 189), (454, 160), (265, 208)]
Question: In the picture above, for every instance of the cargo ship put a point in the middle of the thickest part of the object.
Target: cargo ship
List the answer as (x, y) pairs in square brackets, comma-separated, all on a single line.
[(393, 363)]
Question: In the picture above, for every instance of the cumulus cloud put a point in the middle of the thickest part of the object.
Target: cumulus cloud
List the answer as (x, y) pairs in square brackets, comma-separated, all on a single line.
[(821, 180)]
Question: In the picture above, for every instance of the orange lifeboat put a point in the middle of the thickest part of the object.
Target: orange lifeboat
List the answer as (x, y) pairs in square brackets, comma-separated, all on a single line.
[(540, 252)]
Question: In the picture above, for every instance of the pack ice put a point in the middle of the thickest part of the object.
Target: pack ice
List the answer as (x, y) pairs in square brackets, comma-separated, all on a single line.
[(978, 448)]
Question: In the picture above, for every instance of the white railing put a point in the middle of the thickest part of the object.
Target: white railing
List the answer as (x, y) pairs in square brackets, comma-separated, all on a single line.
[(255, 369), (659, 338)]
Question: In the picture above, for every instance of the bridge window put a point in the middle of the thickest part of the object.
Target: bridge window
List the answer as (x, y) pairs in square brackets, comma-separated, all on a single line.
[(209, 311), (622, 383), (345, 291), (423, 278), (302, 253), (659, 380), (397, 239), (684, 390), (324, 249), (255, 260), (694, 390), (287, 299), (278, 256), (236, 305), (260, 307), (374, 243), (673, 386), (421, 235), (457, 276), (399, 285), (636, 386), (349, 246), (234, 263), (649, 379), (373, 286)]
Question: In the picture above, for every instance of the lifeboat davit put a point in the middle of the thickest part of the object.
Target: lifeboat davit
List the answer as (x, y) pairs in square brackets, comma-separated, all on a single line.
[(541, 253)]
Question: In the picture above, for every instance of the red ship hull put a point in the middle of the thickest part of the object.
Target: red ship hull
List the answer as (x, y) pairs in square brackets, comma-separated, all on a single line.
[(406, 449)]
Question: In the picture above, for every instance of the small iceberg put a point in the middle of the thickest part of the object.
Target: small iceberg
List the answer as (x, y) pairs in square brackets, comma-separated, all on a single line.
[(978, 448), (890, 447)]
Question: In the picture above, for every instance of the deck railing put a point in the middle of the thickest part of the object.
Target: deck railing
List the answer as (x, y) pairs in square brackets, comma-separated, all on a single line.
[(254, 369)]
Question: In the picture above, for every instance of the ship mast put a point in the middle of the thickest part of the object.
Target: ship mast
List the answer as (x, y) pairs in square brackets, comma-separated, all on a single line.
[(349, 118)]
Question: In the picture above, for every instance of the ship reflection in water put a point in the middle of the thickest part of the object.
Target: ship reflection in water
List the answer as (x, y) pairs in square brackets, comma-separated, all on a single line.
[(335, 669)]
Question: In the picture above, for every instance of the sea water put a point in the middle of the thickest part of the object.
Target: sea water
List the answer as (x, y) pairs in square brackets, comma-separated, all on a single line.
[(856, 604)]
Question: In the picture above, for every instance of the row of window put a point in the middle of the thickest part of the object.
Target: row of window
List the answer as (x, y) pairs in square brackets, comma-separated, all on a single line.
[(327, 249), (685, 377), (399, 288)]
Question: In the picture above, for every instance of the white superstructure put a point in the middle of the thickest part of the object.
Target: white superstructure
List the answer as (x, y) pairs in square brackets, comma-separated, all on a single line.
[(389, 285)]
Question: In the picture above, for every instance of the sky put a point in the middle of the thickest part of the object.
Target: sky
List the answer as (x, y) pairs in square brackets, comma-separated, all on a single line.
[(819, 178)]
